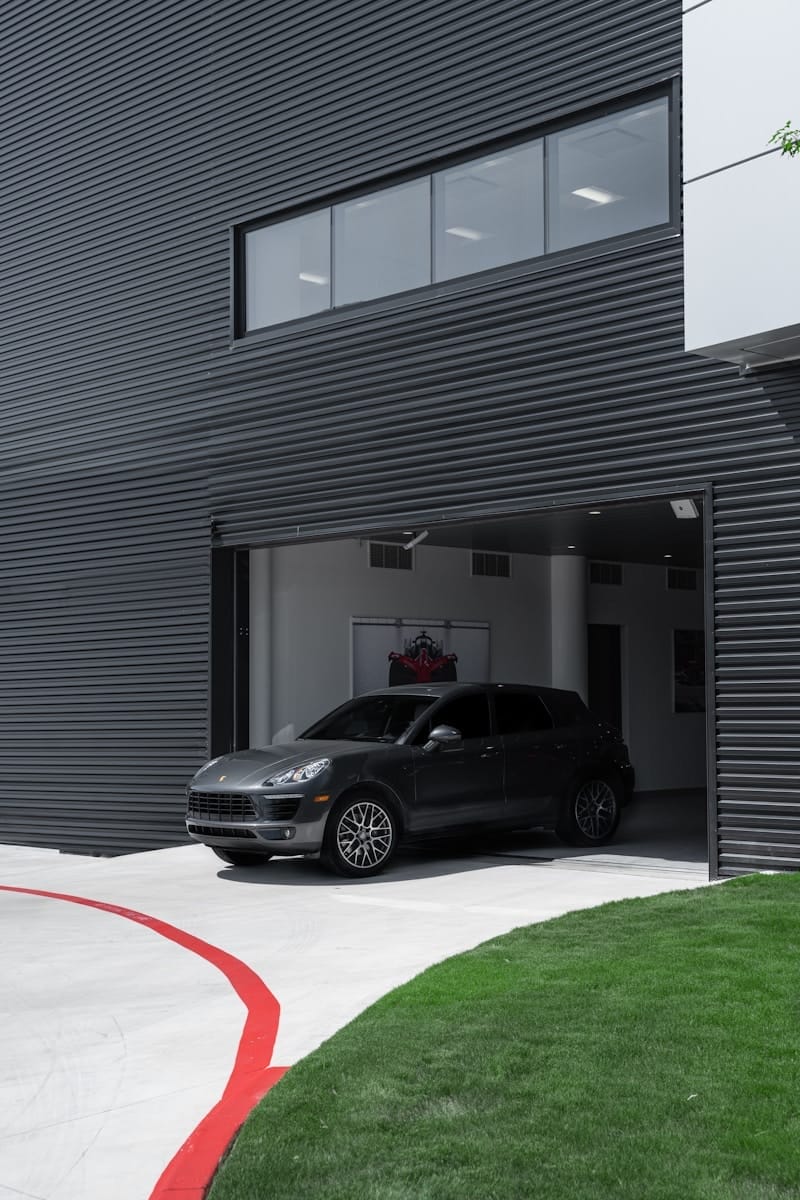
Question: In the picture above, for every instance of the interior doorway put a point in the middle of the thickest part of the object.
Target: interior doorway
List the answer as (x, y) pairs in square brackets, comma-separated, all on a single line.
[(230, 651), (605, 672)]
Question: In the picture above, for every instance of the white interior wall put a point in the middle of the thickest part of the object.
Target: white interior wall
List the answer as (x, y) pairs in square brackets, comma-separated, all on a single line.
[(569, 642), (668, 749), (740, 196), (317, 589)]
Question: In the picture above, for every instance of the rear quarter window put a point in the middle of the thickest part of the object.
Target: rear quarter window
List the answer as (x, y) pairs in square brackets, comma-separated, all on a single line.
[(567, 708), (520, 712)]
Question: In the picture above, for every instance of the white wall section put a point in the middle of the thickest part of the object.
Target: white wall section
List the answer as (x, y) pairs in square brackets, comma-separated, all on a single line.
[(318, 588), (667, 748), (741, 196), (569, 647)]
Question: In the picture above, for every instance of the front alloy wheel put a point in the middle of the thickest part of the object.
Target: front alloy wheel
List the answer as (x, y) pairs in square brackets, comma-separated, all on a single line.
[(360, 837), (591, 813)]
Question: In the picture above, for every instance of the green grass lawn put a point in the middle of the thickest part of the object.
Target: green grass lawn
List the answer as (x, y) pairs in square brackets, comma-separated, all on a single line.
[(648, 1049)]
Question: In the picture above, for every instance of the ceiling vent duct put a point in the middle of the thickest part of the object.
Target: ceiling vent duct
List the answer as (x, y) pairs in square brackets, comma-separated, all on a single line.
[(681, 579), (606, 573), (391, 556), (498, 566)]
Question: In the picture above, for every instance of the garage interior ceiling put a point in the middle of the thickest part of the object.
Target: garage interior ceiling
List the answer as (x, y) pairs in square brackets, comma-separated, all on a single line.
[(647, 532)]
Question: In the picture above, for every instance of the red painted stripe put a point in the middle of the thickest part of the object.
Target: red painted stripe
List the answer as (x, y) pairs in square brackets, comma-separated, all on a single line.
[(191, 1170)]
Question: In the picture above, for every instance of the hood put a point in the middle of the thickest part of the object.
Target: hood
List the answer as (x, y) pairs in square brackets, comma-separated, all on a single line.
[(251, 768)]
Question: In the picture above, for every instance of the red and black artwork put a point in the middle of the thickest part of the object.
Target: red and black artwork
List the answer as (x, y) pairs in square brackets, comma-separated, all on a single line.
[(422, 662)]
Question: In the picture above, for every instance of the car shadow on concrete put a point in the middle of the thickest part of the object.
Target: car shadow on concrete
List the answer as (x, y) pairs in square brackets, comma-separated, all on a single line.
[(420, 861)]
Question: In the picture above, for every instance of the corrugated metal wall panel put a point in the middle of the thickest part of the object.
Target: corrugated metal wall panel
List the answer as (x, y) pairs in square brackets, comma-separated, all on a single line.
[(757, 553), (133, 137), (103, 641), (557, 383)]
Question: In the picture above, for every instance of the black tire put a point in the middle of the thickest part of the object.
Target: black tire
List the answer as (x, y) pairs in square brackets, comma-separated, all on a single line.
[(242, 858), (360, 837), (591, 811)]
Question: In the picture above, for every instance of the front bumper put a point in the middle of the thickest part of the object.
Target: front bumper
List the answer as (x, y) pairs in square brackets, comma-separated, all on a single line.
[(282, 824)]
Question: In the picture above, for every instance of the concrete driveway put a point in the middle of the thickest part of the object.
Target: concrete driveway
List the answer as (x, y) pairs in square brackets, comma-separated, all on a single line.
[(138, 1029)]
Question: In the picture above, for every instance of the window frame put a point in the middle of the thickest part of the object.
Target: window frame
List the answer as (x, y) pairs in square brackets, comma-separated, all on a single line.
[(419, 183), (668, 89), (329, 307), (550, 177), (438, 204)]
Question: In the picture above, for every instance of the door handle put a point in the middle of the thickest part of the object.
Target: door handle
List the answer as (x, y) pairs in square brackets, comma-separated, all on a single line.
[(490, 752)]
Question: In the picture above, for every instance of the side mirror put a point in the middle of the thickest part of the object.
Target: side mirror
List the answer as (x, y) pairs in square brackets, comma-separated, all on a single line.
[(442, 735)]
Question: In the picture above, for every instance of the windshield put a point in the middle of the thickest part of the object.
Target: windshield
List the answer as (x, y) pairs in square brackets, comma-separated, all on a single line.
[(370, 719)]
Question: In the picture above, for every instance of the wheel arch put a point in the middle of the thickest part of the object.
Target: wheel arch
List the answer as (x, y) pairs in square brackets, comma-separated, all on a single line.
[(595, 770), (372, 789)]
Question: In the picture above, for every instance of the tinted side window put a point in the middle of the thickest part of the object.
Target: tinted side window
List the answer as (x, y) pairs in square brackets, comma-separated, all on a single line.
[(567, 708), (370, 718), (519, 712), (468, 714)]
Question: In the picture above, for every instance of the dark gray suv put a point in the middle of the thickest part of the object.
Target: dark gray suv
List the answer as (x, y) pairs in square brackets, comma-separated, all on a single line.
[(416, 762)]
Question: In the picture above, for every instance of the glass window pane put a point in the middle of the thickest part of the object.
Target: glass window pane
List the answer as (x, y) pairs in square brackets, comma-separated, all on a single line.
[(518, 712), (468, 714), (370, 718), (609, 176), (490, 211), (288, 269), (382, 242)]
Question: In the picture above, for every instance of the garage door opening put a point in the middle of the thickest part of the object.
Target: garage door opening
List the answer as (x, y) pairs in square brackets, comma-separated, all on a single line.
[(607, 600)]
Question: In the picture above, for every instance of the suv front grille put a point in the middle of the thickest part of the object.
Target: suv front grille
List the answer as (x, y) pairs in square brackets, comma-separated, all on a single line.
[(221, 806), (229, 831), (239, 806)]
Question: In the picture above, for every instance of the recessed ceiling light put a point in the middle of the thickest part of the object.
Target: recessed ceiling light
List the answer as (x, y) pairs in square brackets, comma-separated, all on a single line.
[(596, 195), (667, 556), (595, 512), (309, 277), (471, 235), (570, 547)]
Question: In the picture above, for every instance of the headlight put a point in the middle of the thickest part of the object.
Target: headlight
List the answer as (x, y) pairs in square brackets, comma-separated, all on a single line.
[(301, 774)]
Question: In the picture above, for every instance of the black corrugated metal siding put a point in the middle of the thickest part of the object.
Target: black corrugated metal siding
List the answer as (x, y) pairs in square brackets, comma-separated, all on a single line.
[(569, 381), (133, 137), (103, 641), (757, 613)]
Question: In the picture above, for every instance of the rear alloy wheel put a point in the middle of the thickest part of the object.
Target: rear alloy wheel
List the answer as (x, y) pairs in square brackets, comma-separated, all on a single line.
[(360, 837), (242, 858), (591, 813)]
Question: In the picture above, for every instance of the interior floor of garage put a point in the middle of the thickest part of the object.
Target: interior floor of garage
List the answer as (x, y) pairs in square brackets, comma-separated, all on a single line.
[(659, 831), (664, 830)]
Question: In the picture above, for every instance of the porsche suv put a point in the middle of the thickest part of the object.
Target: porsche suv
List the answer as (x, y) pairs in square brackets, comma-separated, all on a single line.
[(415, 762)]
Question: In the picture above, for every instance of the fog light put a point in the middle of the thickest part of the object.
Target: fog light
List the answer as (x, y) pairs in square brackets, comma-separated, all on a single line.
[(279, 835)]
